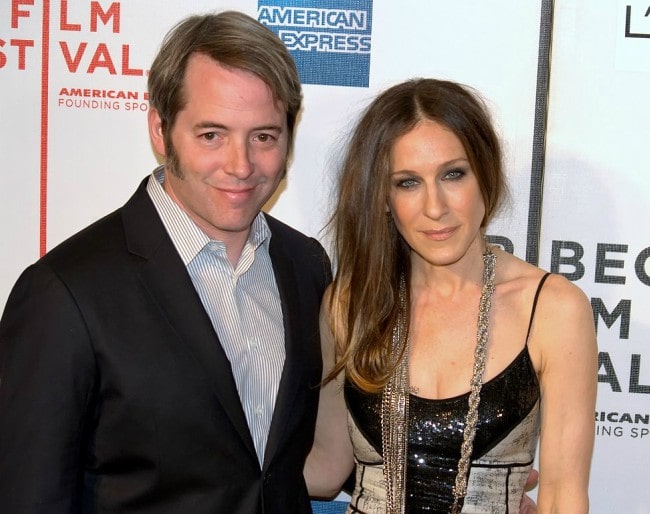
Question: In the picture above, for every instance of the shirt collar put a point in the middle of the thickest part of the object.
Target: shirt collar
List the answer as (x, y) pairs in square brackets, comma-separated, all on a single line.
[(186, 236)]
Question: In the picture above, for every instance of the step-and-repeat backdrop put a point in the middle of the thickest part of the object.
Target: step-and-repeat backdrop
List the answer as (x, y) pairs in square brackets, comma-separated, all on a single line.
[(74, 143)]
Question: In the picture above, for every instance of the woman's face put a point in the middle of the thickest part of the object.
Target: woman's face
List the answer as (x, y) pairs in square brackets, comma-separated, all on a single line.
[(434, 195)]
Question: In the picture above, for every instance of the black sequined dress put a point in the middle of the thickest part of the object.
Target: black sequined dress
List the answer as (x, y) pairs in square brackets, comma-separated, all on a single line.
[(504, 447)]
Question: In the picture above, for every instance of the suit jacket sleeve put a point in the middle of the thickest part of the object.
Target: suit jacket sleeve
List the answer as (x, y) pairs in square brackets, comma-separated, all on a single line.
[(46, 382)]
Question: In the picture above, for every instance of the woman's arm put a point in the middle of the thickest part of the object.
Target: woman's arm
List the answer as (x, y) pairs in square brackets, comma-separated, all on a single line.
[(331, 459), (565, 341)]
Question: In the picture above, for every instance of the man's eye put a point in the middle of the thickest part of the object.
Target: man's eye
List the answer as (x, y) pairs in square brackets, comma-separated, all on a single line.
[(264, 138)]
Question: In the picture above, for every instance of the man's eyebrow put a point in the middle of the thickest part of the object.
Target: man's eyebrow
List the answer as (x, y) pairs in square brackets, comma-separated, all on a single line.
[(214, 124)]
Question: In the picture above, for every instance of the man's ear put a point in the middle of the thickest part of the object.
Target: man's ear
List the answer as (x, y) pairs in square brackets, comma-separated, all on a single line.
[(156, 132)]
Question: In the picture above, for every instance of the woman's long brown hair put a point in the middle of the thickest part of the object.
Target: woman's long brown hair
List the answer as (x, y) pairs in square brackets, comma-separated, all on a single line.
[(370, 254)]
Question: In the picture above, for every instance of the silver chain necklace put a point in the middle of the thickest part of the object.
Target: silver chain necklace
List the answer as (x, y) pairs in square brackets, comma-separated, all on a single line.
[(395, 399)]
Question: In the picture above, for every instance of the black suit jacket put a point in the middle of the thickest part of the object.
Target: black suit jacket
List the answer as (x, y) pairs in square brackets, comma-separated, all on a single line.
[(116, 395)]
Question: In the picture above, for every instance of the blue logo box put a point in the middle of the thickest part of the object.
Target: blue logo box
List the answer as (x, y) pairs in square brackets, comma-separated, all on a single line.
[(330, 41)]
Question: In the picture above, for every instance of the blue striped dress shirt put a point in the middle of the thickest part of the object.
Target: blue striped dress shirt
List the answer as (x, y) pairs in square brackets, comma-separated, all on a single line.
[(243, 304)]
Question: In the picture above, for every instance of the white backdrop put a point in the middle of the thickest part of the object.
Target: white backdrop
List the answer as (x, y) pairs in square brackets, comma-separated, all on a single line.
[(595, 207), (68, 159)]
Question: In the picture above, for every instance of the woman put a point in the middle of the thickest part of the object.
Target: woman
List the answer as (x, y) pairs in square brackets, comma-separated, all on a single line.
[(453, 356)]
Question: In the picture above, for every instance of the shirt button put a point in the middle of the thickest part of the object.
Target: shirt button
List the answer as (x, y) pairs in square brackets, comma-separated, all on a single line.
[(259, 410)]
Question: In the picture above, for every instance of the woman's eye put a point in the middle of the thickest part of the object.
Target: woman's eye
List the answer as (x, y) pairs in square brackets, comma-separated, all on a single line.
[(406, 183), (454, 174)]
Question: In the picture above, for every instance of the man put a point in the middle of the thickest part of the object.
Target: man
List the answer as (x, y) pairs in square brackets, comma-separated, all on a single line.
[(166, 358)]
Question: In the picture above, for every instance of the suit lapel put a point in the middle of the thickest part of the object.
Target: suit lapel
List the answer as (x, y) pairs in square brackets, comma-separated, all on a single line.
[(163, 274), (283, 267)]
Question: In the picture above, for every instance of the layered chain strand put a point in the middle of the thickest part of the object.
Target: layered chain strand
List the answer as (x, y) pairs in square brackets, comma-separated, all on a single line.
[(480, 353), (394, 414)]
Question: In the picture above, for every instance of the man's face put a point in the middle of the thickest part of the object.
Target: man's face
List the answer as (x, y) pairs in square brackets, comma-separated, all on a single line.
[(230, 140)]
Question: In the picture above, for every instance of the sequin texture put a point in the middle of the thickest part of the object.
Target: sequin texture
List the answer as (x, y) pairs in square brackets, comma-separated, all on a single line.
[(504, 446)]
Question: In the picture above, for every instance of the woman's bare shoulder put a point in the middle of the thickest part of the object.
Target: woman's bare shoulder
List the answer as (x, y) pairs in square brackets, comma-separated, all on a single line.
[(516, 277), (522, 276)]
